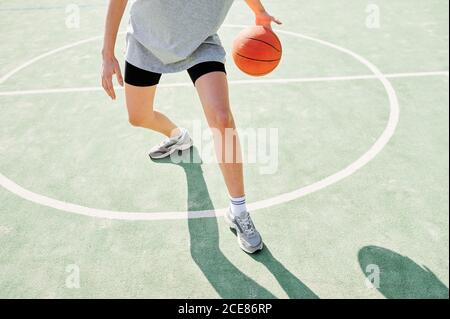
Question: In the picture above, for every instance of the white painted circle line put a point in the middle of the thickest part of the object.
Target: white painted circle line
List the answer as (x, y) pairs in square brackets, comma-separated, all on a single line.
[(42, 56), (279, 199)]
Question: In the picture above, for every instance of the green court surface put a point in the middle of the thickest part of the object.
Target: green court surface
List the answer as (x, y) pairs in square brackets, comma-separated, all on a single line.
[(80, 196)]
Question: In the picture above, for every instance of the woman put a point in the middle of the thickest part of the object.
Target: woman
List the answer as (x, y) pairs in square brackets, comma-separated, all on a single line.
[(166, 36)]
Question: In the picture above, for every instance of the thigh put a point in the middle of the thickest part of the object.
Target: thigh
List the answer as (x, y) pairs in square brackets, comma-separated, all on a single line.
[(139, 100), (201, 69), (212, 89), (140, 89)]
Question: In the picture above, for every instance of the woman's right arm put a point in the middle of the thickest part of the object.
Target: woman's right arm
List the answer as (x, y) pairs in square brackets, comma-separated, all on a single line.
[(110, 65)]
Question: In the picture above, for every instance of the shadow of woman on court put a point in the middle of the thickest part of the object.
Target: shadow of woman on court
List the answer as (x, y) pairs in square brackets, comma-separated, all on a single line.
[(227, 279), (400, 277)]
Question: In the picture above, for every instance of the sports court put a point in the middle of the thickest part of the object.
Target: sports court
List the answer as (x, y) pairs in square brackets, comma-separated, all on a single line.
[(361, 188)]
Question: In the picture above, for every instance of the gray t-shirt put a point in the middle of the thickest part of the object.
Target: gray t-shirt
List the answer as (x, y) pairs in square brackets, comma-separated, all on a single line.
[(172, 35)]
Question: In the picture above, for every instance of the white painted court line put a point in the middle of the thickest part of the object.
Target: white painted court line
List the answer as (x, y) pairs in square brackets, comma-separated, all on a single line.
[(416, 74), (237, 82), (42, 56), (374, 150)]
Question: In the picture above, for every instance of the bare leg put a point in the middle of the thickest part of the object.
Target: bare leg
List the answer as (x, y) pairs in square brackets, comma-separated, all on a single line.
[(212, 89), (141, 114)]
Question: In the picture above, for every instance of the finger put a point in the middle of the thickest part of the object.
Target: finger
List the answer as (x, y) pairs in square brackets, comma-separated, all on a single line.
[(105, 87), (109, 87), (119, 76), (276, 20)]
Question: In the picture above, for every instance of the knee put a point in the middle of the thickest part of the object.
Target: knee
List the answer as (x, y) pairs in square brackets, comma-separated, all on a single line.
[(136, 121), (223, 119), (141, 120)]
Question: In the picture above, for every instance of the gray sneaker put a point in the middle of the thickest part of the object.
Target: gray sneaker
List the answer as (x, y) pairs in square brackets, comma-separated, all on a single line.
[(181, 142), (249, 238)]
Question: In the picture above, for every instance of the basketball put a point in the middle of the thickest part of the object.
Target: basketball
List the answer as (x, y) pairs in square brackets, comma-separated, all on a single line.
[(257, 51)]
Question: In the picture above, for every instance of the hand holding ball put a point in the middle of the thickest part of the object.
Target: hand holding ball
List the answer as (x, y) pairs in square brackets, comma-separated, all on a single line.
[(257, 51)]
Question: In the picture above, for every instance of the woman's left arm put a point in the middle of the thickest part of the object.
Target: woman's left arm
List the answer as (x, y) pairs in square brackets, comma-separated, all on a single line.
[(262, 16)]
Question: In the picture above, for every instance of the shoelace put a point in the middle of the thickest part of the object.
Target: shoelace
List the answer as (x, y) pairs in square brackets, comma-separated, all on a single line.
[(169, 140), (164, 142), (247, 225)]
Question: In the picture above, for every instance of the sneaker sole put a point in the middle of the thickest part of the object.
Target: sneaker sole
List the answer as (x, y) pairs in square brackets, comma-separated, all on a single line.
[(182, 148), (249, 251)]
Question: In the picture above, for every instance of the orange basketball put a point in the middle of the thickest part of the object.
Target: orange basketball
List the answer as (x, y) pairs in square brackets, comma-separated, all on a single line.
[(257, 51)]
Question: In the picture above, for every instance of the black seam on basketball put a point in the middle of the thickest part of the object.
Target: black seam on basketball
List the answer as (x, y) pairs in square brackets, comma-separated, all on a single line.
[(265, 43), (243, 56)]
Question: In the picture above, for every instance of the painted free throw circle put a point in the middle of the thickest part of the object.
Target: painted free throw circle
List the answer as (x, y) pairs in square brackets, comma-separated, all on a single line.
[(374, 150)]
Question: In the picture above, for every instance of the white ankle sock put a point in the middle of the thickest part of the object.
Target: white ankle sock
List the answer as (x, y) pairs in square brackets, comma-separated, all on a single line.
[(179, 135), (237, 205)]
